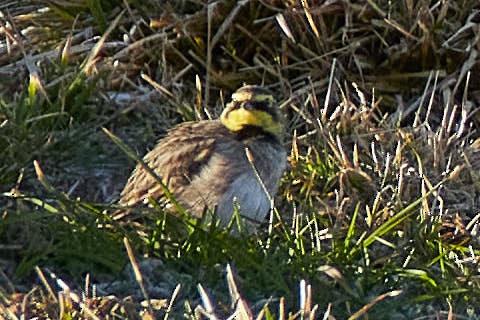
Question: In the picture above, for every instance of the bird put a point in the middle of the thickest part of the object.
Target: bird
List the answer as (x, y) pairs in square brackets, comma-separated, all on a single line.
[(220, 166)]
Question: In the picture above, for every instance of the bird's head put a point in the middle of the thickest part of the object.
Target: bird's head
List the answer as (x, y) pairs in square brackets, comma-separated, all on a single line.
[(252, 106)]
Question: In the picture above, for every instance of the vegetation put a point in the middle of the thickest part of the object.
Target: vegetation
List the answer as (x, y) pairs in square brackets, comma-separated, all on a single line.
[(377, 216)]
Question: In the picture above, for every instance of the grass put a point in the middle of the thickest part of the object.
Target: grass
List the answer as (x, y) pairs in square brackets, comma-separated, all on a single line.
[(377, 214)]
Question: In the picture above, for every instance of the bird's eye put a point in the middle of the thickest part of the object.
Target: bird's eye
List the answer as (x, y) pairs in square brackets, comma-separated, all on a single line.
[(255, 105), (249, 105)]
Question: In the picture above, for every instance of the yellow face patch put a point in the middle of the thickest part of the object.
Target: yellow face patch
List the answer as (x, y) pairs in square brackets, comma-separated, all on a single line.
[(237, 119)]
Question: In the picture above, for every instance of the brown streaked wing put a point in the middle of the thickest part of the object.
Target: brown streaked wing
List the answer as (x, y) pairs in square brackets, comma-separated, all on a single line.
[(177, 158)]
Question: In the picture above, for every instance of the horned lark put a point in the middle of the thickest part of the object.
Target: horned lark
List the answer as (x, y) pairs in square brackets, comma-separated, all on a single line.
[(218, 164)]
